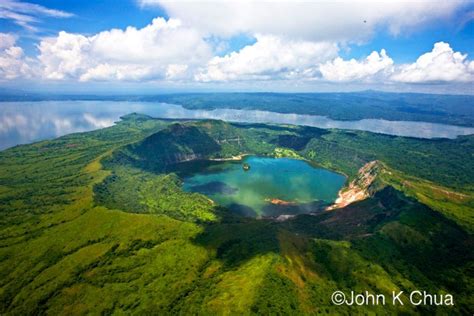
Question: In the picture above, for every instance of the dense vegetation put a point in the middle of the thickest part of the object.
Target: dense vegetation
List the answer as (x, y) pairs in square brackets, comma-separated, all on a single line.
[(97, 223), (141, 192)]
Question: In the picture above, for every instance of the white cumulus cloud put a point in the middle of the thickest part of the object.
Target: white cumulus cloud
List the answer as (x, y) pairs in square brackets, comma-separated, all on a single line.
[(269, 58), (64, 56), (354, 70), (316, 20), (297, 40), (442, 64), (162, 49), (13, 63)]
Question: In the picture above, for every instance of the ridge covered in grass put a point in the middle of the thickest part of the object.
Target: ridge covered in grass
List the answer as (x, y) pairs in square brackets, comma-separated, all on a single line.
[(97, 223)]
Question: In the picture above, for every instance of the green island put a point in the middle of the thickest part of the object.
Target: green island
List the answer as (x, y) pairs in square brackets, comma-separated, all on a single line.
[(98, 223)]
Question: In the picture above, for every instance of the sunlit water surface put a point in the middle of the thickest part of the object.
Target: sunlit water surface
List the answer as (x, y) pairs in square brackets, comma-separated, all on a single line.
[(271, 187), (26, 122)]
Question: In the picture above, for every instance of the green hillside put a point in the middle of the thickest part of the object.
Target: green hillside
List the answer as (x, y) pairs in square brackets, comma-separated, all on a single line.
[(97, 223)]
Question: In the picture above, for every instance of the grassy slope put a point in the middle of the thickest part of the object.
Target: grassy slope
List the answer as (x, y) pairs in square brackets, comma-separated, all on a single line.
[(438, 173), (63, 252)]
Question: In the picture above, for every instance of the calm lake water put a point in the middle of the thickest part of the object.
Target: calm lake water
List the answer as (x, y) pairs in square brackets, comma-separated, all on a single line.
[(272, 186), (26, 122)]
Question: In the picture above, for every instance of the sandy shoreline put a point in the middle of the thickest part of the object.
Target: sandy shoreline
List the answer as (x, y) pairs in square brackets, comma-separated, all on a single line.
[(233, 158)]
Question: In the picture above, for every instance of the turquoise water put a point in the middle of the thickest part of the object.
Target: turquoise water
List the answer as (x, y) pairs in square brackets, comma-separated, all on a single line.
[(294, 186)]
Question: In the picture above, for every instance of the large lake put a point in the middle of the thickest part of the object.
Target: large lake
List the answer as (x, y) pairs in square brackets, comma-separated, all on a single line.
[(26, 122), (271, 187)]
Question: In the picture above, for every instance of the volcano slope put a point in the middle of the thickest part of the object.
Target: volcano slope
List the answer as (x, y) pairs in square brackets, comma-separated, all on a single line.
[(97, 223)]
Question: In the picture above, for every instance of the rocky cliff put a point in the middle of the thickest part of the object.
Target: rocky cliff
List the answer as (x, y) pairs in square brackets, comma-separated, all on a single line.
[(363, 186)]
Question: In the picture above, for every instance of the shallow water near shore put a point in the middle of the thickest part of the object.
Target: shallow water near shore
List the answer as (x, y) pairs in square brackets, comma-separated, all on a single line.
[(271, 186)]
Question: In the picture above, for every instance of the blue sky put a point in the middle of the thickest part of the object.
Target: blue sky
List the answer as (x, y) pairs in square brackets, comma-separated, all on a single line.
[(153, 45)]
